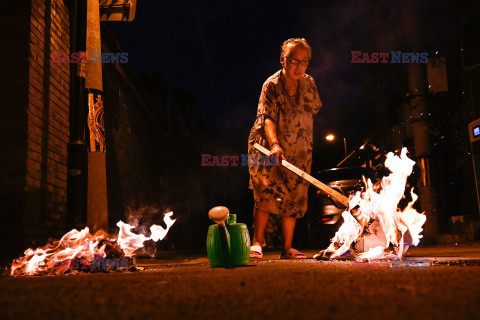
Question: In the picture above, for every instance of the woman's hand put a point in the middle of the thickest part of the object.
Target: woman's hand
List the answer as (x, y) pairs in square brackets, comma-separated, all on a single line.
[(276, 150), (271, 133)]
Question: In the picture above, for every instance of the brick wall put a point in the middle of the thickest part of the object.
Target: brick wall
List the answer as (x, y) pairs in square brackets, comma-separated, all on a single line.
[(47, 121), (39, 157), (14, 66)]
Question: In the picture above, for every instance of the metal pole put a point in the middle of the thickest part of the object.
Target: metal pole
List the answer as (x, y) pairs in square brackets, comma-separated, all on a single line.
[(345, 146), (421, 136), (423, 150), (77, 149), (355, 150)]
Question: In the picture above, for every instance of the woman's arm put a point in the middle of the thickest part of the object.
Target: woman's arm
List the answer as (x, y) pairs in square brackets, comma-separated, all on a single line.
[(271, 133)]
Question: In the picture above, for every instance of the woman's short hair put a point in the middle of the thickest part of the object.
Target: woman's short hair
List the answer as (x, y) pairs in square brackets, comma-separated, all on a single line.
[(293, 43)]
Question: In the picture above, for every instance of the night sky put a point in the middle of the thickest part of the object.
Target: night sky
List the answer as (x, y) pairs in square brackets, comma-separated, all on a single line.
[(223, 51)]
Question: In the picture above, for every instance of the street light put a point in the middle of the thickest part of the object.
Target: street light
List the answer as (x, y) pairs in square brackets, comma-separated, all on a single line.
[(331, 137), (113, 10)]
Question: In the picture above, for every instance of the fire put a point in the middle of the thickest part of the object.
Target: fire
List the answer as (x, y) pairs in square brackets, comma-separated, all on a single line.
[(374, 219), (57, 257), (130, 242)]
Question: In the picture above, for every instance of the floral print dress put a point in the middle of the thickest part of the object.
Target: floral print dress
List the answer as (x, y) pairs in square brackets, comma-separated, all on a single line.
[(275, 189)]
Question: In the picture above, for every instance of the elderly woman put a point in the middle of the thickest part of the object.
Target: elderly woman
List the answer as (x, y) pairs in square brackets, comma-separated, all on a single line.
[(284, 124)]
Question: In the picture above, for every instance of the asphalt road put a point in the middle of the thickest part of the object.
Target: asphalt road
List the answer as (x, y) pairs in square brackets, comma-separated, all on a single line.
[(188, 288)]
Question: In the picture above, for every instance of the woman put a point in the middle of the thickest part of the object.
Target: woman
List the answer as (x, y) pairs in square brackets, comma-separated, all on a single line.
[(284, 124)]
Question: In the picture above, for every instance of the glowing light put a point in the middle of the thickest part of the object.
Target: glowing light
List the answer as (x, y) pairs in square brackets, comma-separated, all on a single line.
[(330, 137), (57, 257), (380, 204)]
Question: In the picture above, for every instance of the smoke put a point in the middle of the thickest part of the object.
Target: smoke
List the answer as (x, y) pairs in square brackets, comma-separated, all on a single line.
[(334, 31), (239, 115)]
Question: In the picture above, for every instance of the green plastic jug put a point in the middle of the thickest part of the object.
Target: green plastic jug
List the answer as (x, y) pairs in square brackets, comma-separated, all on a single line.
[(228, 244)]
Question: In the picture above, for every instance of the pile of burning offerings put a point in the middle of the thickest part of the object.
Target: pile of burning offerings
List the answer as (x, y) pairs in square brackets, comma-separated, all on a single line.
[(373, 220), (82, 251)]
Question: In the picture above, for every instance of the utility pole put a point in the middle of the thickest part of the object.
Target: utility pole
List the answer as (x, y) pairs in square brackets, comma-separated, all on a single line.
[(423, 149), (87, 179), (421, 136), (97, 209)]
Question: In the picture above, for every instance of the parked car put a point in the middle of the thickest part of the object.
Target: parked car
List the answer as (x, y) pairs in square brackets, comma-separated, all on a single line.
[(324, 214)]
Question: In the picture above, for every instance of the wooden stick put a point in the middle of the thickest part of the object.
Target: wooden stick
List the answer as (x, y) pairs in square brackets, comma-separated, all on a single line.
[(331, 192)]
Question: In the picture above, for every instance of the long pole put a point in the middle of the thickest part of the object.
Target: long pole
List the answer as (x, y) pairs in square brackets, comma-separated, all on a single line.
[(77, 149), (97, 210), (421, 136)]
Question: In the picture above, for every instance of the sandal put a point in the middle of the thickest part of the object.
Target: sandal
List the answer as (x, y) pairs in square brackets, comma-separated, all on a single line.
[(256, 251), (293, 254)]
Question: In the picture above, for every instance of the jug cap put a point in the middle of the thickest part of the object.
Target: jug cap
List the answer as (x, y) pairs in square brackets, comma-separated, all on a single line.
[(232, 218)]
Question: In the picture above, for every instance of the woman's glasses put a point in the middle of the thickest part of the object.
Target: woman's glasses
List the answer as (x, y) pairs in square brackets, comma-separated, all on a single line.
[(296, 62)]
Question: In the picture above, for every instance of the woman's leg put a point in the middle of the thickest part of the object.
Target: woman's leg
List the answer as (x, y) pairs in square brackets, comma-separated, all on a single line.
[(288, 226), (261, 219)]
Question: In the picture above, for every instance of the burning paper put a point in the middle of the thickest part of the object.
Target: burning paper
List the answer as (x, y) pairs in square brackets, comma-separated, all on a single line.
[(77, 249), (377, 221)]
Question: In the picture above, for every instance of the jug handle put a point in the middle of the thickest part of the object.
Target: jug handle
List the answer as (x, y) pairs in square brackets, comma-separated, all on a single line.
[(225, 240)]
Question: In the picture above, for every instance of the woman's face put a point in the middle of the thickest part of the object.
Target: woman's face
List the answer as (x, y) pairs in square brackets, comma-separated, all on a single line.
[(295, 64)]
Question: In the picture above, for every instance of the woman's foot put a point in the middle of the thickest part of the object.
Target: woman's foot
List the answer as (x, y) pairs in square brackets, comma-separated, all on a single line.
[(292, 254), (256, 251)]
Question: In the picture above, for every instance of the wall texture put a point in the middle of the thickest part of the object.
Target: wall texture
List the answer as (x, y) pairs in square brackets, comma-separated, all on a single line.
[(33, 123), (14, 66), (47, 121)]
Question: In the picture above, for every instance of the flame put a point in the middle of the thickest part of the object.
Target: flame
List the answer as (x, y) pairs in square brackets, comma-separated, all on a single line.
[(373, 253), (57, 256), (395, 225), (129, 241)]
